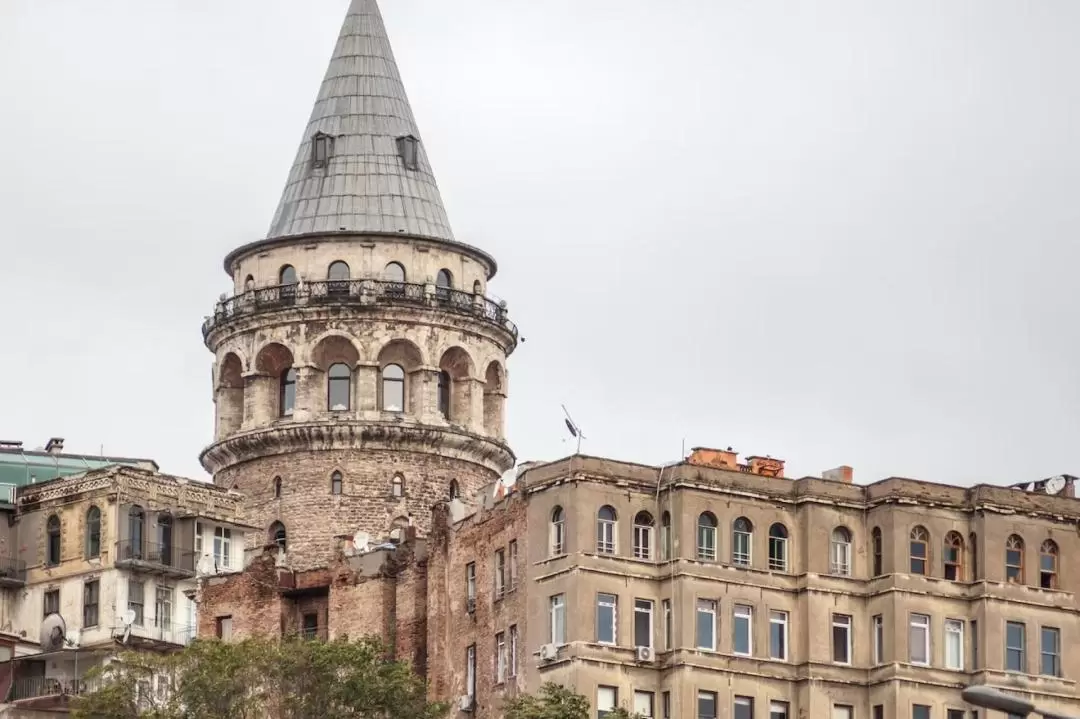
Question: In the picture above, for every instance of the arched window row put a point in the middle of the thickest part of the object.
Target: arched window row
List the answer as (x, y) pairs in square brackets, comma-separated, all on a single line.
[(340, 271)]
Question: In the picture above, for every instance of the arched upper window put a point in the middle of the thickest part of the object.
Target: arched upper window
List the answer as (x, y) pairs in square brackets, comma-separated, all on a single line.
[(477, 288), (605, 530), (336, 482), (742, 532), (919, 546), (397, 486), (445, 383), (665, 536), (706, 537), (778, 549), (444, 279), (455, 489), (1014, 559), (878, 550), (1048, 565), (249, 283), (287, 275), (338, 270), (953, 557), (393, 388), (52, 529), (93, 533), (278, 535), (840, 552), (338, 387), (277, 487), (557, 543), (136, 520), (643, 535), (287, 393), (394, 272)]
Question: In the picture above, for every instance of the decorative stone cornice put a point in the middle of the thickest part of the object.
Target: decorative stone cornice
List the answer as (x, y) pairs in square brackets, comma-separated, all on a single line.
[(324, 435)]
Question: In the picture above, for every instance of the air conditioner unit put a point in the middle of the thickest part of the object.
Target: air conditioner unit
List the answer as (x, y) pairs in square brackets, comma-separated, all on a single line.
[(645, 654), (465, 702), (549, 652), (470, 605)]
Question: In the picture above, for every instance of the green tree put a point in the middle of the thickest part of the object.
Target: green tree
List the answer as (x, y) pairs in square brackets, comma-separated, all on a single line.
[(555, 701), (260, 679)]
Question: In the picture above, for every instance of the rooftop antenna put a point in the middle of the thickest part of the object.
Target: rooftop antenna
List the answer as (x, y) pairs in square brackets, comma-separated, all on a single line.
[(575, 431)]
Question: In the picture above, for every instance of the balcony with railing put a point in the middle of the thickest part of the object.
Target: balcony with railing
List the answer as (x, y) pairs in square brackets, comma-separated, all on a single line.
[(360, 293), (152, 558), (39, 689), (12, 572), (154, 635)]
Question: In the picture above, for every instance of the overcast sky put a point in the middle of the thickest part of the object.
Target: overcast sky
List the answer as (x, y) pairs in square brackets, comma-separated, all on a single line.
[(833, 232)]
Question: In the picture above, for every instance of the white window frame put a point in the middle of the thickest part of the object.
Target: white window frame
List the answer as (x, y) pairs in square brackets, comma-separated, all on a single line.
[(608, 703), (842, 621), (470, 581), (878, 628), (644, 704), (198, 547), (557, 610), (643, 541), (606, 535), (742, 557), (839, 556), (953, 629), (742, 617), (500, 658), (779, 617), (916, 623), (778, 560), (512, 669), (557, 538), (640, 607), (779, 710), (843, 711), (512, 551), (470, 670), (500, 573), (709, 608), (608, 600), (706, 551), (222, 547)]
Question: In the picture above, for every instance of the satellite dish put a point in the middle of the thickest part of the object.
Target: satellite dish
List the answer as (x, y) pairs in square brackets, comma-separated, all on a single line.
[(128, 617), (53, 631), (361, 541), (1055, 484)]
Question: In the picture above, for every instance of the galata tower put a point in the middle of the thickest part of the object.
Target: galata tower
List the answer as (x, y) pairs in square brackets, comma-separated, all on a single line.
[(359, 366)]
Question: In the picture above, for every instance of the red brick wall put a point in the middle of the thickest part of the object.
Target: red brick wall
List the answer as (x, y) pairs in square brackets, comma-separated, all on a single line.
[(250, 597)]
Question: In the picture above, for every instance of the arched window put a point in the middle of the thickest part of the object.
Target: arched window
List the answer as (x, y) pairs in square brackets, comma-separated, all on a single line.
[(1014, 559), (665, 536), (742, 532), (393, 388), (477, 288), (778, 554), (338, 387), (394, 272), (164, 540), (878, 549), (93, 533), (557, 543), (445, 384), (1048, 565), (287, 393), (52, 530), (397, 486), (278, 535), (338, 270), (277, 487), (605, 530), (706, 537), (249, 284), (455, 490), (336, 482), (840, 552), (444, 279), (287, 275), (135, 533), (919, 549), (953, 557), (643, 535)]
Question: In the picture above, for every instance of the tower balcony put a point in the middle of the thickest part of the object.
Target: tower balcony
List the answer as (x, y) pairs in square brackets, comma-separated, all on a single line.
[(360, 293)]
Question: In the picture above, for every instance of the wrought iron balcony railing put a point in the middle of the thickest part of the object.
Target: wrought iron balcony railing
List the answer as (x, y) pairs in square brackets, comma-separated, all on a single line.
[(155, 557), (359, 292), (37, 687), (169, 633)]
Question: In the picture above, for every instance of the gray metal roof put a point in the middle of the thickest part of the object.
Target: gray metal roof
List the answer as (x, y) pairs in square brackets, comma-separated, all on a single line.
[(364, 185)]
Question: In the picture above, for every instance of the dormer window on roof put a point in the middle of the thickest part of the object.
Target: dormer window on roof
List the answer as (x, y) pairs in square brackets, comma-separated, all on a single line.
[(322, 146), (409, 150)]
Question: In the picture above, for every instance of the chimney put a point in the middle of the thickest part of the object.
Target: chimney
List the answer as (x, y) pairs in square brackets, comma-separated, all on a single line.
[(718, 458), (765, 466), (842, 473), (55, 445)]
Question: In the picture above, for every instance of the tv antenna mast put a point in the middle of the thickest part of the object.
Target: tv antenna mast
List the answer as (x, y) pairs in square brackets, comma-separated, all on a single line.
[(575, 431)]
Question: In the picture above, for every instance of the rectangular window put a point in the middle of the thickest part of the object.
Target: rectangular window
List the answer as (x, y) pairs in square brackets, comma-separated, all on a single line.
[(841, 638), (558, 619), (1050, 651), (840, 560), (777, 553), (779, 710), (878, 711), (605, 532), (310, 625), (198, 540), (920, 711), (666, 609), (512, 669), (954, 644), (222, 545), (879, 639), (163, 606), (470, 670), (643, 704), (974, 644), (743, 630), (607, 698), (606, 606), (513, 563), (642, 540), (665, 705), (706, 624), (740, 548), (91, 597), (500, 572), (51, 605), (470, 586), (778, 635), (843, 711), (743, 708), (1015, 641), (500, 657), (136, 600), (643, 629), (954, 714), (223, 628), (919, 639), (706, 705)]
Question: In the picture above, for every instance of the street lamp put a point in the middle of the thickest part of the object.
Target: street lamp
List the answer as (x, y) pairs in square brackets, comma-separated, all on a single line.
[(990, 698)]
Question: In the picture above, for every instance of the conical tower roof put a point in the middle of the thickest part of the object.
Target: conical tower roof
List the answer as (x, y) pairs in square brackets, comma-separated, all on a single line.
[(361, 166)]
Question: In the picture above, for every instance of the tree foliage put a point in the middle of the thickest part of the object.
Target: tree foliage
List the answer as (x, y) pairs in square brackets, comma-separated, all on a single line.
[(554, 701), (260, 679)]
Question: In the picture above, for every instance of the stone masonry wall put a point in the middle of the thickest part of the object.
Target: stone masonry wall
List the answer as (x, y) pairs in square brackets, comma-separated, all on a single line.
[(251, 598)]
